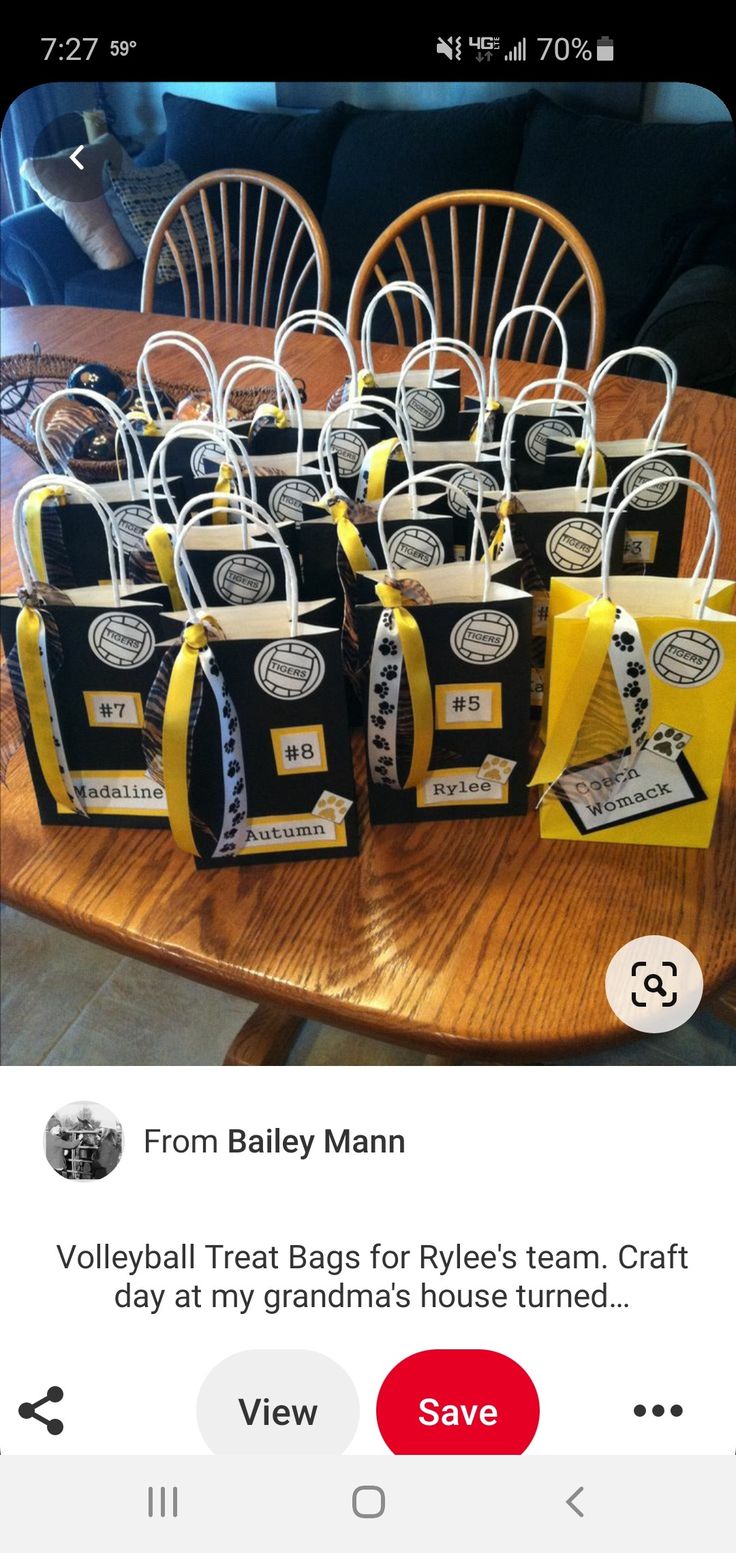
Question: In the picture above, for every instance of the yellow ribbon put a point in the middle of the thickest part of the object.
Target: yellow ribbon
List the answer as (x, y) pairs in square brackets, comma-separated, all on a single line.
[(223, 490), (420, 689), (175, 746), (491, 406), (28, 634), (503, 514), (34, 525), (366, 381), (162, 550), (376, 460), (349, 537), (600, 473), (583, 676), (274, 411)]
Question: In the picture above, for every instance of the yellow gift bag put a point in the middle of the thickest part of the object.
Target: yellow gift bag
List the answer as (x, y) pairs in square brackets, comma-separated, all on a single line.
[(640, 700)]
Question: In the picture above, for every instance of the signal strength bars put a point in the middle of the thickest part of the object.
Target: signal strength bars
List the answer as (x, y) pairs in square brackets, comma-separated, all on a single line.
[(518, 52)]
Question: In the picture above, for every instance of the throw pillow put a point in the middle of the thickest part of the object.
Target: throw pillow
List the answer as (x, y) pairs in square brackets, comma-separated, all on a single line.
[(88, 220), (136, 199)]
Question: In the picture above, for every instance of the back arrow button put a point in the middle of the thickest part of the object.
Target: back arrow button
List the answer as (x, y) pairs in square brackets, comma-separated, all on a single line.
[(572, 1504), (74, 157)]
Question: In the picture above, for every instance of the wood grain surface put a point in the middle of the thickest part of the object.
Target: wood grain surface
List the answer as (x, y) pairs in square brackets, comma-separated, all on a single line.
[(473, 937)]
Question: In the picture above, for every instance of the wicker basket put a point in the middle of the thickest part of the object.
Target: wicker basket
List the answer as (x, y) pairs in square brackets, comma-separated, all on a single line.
[(26, 380)]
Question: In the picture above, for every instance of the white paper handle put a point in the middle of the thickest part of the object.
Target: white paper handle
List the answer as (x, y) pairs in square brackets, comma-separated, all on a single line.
[(319, 320), (642, 463), (451, 347), (517, 312), (234, 451), (112, 538), (432, 477), (123, 430), (386, 411), (588, 413), (408, 288), (669, 372), (166, 339), (611, 519), (244, 366), (187, 581)]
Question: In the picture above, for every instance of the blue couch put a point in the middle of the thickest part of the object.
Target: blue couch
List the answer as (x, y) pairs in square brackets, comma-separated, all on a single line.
[(655, 202)]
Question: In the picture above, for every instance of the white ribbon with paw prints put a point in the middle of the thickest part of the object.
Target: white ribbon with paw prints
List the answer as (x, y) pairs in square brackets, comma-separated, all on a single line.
[(195, 653)]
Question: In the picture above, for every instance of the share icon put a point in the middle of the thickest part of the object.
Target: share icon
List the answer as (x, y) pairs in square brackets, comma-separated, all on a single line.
[(30, 1410)]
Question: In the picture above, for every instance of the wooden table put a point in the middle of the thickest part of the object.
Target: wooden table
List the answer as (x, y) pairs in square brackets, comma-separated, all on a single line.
[(472, 938)]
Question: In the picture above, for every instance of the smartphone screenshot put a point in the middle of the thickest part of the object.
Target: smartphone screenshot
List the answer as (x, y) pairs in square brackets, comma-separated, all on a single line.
[(368, 677)]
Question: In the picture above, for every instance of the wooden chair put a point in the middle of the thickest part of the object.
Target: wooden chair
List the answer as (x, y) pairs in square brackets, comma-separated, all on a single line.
[(270, 238), (553, 266)]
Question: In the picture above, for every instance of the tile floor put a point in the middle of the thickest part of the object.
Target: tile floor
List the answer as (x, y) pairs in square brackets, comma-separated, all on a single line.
[(67, 1001)]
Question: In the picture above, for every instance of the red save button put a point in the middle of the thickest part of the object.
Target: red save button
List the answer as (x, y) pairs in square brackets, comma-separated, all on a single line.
[(458, 1402)]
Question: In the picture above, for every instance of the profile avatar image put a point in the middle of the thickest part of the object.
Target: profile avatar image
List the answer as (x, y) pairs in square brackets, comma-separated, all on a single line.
[(83, 1142)]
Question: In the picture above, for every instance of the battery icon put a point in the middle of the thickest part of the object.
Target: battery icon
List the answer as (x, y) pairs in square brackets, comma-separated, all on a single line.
[(604, 48)]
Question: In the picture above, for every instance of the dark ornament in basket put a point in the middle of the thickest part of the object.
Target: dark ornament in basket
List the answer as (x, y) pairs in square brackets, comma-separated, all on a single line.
[(29, 378)]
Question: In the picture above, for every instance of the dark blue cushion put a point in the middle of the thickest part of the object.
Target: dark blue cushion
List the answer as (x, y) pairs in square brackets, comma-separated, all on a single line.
[(387, 161), (634, 191), (296, 147)]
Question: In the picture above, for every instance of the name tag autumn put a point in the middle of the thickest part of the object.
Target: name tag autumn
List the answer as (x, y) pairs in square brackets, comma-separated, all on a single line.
[(274, 1141)]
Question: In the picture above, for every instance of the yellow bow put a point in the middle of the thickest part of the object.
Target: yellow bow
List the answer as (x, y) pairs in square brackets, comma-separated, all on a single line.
[(349, 538), (275, 413), (175, 744), (366, 381), (577, 692), (223, 490), (600, 473), (491, 406), (28, 634), (420, 689), (159, 543), (34, 525)]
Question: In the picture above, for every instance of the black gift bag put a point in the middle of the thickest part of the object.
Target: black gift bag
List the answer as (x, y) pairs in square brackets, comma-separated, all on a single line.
[(655, 517), (538, 420), (80, 664), (554, 532), (444, 660), (432, 395), (247, 727), (67, 542)]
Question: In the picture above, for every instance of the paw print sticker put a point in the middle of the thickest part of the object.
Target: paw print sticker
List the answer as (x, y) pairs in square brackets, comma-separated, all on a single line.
[(330, 806), (668, 741)]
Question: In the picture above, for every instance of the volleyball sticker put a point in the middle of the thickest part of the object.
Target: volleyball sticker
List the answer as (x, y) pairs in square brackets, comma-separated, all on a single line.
[(686, 658), (575, 545), (424, 408), (243, 579), (132, 523), (484, 637), (288, 497), (535, 441), (289, 669), (121, 641), (206, 459), (462, 504), (654, 469), (349, 450), (414, 546)]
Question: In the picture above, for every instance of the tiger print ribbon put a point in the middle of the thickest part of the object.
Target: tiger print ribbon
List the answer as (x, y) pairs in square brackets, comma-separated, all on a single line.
[(196, 655), (398, 648), (371, 484), (35, 668), (34, 525), (159, 543), (611, 637)]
